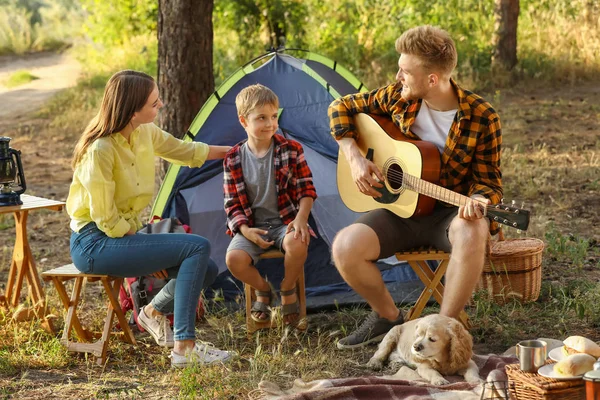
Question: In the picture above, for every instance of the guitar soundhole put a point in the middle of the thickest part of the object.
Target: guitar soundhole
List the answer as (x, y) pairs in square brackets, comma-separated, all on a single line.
[(394, 176)]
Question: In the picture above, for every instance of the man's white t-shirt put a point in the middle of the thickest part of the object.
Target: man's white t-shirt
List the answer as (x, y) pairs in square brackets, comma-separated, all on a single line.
[(433, 126)]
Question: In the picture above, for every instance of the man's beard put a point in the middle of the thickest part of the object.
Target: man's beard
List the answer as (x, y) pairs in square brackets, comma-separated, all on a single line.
[(411, 93)]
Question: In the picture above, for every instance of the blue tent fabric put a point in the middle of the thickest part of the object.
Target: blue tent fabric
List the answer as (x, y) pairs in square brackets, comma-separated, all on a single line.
[(197, 195)]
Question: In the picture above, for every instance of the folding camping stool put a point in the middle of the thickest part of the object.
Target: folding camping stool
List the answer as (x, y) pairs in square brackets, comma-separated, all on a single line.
[(432, 280), (251, 325), (111, 286)]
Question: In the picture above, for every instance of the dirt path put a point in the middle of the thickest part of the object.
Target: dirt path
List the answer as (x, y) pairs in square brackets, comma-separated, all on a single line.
[(55, 72)]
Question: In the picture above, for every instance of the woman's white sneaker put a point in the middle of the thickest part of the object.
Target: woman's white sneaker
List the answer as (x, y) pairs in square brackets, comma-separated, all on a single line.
[(201, 354), (159, 328)]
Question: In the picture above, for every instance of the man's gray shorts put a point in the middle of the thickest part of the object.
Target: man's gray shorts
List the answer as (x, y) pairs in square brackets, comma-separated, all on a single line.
[(401, 234), (239, 242)]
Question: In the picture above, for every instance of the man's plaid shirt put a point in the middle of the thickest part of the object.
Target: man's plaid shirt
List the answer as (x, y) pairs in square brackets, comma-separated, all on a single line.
[(471, 157), (292, 175)]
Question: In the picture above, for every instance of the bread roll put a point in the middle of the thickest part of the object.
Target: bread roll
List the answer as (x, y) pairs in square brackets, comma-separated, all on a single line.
[(575, 364), (579, 344)]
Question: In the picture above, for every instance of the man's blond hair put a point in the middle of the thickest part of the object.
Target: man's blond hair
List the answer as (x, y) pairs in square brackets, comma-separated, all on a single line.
[(254, 96), (433, 46)]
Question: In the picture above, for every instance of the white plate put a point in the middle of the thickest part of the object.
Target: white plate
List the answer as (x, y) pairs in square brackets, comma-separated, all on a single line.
[(548, 372), (557, 354)]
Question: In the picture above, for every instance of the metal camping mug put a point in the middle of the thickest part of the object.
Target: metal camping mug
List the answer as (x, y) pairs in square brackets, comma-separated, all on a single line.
[(592, 385), (531, 354)]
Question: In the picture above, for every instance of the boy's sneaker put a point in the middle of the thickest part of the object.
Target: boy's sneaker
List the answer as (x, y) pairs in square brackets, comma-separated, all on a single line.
[(202, 353), (159, 328), (372, 330)]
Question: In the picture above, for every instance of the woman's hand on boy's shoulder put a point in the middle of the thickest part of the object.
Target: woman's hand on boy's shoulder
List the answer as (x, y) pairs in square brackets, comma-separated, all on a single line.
[(217, 152)]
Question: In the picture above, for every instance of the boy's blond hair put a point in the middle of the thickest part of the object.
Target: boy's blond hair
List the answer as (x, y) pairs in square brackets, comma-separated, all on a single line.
[(433, 46), (254, 96)]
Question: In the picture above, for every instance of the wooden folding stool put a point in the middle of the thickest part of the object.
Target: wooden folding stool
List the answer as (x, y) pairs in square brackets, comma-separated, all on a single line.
[(432, 280), (111, 286)]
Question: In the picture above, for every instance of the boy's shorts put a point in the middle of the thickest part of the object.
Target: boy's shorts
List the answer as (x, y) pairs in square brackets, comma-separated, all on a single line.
[(401, 234), (239, 242)]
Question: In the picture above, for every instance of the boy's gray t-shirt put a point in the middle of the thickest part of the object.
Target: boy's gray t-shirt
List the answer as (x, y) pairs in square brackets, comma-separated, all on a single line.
[(259, 177)]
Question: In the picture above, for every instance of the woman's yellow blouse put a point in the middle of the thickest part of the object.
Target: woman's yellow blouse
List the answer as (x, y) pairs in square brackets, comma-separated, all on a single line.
[(114, 181)]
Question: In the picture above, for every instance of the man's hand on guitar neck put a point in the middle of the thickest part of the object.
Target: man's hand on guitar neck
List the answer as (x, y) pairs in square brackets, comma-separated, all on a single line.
[(474, 209), (362, 169)]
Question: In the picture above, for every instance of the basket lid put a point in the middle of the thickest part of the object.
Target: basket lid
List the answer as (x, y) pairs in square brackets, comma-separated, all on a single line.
[(515, 247)]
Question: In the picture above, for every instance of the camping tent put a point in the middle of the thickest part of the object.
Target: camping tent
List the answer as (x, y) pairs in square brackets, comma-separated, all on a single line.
[(305, 87)]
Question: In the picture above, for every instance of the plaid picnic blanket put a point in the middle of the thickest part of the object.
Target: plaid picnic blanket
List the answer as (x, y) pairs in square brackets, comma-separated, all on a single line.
[(404, 385)]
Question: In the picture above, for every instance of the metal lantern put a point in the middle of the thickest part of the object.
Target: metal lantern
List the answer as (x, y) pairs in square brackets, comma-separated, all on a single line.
[(12, 180)]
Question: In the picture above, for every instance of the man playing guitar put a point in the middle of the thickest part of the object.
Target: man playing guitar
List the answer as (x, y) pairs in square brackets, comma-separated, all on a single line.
[(426, 104)]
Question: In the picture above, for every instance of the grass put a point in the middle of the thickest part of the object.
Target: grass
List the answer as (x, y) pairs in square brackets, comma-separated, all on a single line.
[(539, 168), (567, 247), (6, 221), (538, 163), (19, 78)]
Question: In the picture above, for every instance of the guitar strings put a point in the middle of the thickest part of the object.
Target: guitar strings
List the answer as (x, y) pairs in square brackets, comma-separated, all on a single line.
[(400, 176)]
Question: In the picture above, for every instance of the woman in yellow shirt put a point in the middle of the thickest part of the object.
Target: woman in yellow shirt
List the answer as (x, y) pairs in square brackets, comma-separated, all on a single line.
[(113, 182)]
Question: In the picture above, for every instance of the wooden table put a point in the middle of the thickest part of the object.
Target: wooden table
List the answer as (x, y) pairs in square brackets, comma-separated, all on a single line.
[(22, 265)]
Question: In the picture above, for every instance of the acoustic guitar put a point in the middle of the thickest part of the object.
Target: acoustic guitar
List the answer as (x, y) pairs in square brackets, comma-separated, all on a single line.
[(411, 169)]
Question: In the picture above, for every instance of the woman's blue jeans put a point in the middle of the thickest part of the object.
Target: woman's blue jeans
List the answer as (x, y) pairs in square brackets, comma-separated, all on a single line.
[(186, 257)]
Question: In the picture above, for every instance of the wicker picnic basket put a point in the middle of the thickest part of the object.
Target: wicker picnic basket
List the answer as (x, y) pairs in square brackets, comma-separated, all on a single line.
[(513, 269), (532, 386)]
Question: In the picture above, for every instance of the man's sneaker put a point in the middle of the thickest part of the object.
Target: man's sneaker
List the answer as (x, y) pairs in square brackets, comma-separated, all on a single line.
[(159, 328), (372, 330), (202, 353)]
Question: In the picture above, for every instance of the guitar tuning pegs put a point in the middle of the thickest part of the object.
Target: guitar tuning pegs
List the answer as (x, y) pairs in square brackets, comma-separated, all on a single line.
[(514, 224)]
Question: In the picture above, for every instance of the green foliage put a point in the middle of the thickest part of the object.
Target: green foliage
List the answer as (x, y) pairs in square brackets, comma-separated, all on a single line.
[(361, 33), (244, 29), (115, 22), (18, 78), (139, 53), (127, 41), (37, 25), (554, 37), (559, 40), (263, 22)]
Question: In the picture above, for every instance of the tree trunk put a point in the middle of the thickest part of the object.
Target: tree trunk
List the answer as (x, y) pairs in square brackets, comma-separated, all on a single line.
[(506, 13), (185, 69)]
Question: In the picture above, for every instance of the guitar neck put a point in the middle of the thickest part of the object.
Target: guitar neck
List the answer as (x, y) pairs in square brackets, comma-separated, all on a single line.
[(434, 191)]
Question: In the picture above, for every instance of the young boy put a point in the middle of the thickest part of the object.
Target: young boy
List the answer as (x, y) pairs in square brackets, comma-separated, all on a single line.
[(269, 193)]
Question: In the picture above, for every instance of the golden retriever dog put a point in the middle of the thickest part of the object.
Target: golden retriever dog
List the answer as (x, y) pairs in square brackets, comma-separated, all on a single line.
[(435, 344)]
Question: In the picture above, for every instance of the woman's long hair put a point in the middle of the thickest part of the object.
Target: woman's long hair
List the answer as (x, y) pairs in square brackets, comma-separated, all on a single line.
[(126, 92)]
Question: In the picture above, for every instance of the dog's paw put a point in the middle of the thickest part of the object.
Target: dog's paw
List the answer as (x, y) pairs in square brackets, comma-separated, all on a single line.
[(375, 364), (396, 365), (439, 381)]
